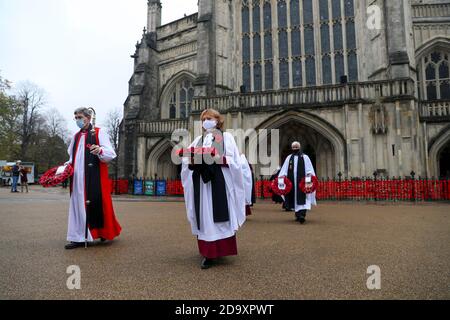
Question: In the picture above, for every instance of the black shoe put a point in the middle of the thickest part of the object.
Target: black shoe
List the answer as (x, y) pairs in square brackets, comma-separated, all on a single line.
[(206, 263), (302, 220), (102, 240), (74, 245)]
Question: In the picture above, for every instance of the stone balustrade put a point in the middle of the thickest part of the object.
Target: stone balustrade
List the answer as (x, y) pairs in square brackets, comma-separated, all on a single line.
[(435, 110), (431, 10), (165, 127), (309, 96)]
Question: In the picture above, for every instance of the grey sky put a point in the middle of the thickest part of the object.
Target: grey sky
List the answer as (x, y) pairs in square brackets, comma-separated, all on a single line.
[(78, 51)]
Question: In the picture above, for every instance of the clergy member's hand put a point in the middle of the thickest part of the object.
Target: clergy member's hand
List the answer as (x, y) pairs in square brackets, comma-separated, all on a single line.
[(95, 150), (308, 181), (218, 159)]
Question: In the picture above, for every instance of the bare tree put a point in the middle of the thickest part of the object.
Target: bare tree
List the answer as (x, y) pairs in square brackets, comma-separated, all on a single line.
[(112, 124), (33, 99), (56, 124), (113, 119)]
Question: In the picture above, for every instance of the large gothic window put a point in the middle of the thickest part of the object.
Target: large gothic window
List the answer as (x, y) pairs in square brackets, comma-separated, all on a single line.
[(314, 43), (181, 100), (434, 77)]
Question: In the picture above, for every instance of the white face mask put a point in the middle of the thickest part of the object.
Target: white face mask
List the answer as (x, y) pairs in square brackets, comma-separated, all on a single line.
[(209, 124), (80, 123)]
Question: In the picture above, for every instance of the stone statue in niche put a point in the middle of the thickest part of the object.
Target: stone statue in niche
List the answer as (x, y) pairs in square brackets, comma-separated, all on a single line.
[(378, 117)]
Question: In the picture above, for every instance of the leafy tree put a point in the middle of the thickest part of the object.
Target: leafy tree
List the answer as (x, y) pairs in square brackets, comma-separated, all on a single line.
[(10, 112), (29, 131)]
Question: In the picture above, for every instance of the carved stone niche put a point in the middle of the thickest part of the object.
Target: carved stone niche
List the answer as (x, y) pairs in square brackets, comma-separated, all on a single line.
[(379, 119)]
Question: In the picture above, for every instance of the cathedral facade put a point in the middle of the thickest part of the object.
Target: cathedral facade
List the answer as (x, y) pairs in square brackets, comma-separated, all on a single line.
[(364, 85)]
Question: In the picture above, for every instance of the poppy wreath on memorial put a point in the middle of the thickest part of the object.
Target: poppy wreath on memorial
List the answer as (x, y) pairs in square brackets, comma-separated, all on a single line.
[(277, 190), (51, 179), (310, 189)]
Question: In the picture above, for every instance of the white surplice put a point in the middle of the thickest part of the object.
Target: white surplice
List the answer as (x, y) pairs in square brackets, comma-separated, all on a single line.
[(209, 230), (309, 169), (248, 180), (77, 209)]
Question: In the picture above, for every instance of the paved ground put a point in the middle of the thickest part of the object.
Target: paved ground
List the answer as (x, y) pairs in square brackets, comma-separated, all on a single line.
[(156, 256)]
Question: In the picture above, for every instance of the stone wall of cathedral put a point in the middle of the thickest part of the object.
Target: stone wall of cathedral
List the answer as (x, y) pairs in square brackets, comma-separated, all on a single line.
[(283, 64)]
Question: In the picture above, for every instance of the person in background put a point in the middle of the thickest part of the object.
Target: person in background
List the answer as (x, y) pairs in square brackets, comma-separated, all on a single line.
[(296, 167), (23, 178), (276, 198), (15, 175)]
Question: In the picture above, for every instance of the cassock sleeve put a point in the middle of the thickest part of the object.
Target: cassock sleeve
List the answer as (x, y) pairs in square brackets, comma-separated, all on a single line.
[(248, 183), (309, 169), (285, 167), (107, 152), (70, 150), (234, 162), (188, 186)]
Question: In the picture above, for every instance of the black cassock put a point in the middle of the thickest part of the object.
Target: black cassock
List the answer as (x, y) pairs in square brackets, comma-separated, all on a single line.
[(301, 196)]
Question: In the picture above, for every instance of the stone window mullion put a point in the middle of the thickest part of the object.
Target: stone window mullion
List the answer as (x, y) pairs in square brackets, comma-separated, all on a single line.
[(332, 55), (289, 39), (317, 42), (238, 28), (252, 35), (275, 47), (438, 81), (262, 42), (344, 19), (302, 43), (423, 82)]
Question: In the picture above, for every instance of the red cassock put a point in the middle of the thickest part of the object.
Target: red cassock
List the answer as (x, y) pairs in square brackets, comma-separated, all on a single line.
[(111, 227), (96, 190), (219, 248)]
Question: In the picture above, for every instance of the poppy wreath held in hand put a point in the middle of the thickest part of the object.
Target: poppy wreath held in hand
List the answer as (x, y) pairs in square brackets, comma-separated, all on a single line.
[(309, 189), (196, 151), (51, 179), (281, 192)]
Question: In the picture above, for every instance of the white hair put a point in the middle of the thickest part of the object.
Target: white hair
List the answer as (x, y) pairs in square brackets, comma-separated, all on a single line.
[(296, 145), (84, 111)]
